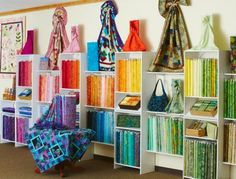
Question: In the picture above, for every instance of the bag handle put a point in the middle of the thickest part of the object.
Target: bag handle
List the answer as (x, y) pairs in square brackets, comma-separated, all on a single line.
[(154, 91)]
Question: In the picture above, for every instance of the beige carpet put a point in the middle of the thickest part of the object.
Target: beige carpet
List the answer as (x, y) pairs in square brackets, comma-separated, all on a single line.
[(17, 163)]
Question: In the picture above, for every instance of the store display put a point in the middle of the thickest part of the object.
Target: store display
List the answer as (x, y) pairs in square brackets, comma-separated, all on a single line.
[(129, 75), (100, 90), (165, 134), (124, 120), (58, 38), (70, 74), (197, 128), (201, 77), (109, 40), (204, 108), (174, 40), (128, 147), (92, 56), (158, 102), (176, 104), (200, 159), (229, 142), (48, 87), (207, 35), (29, 45), (74, 44), (134, 42), (102, 122), (229, 98), (130, 102), (24, 72)]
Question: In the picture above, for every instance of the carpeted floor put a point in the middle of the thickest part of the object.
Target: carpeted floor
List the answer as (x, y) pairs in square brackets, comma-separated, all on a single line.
[(17, 163)]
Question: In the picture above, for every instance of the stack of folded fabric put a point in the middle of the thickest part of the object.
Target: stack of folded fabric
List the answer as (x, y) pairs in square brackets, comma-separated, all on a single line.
[(25, 110)]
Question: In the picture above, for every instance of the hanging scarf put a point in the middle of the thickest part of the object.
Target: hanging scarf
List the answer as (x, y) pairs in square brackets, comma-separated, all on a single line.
[(58, 39), (174, 40), (109, 40), (133, 42), (74, 44)]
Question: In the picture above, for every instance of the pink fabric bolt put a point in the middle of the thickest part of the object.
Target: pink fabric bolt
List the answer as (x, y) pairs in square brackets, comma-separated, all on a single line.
[(58, 39), (29, 45), (74, 44)]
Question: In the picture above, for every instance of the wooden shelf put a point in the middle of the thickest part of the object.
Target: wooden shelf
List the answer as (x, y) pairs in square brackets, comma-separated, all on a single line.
[(227, 163), (165, 73), (98, 107), (100, 72), (70, 89), (129, 128), (230, 74), (163, 153), (165, 114), (7, 113), (124, 165), (202, 97), (126, 111), (201, 118), (128, 93), (202, 138), (229, 119)]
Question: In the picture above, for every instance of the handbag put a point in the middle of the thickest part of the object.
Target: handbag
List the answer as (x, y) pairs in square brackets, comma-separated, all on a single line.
[(158, 103)]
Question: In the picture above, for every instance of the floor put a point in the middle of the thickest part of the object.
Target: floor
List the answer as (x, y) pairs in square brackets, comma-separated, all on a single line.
[(18, 163)]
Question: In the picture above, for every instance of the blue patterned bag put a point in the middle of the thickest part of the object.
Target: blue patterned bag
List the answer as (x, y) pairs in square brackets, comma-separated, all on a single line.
[(158, 103)]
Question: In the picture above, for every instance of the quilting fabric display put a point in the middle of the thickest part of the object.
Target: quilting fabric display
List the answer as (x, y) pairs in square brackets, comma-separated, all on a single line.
[(201, 77), (21, 129), (165, 134), (229, 142), (70, 74), (48, 87), (134, 42), (230, 98), (233, 53), (124, 120), (100, 90), (174, 40), (109, 40), (200, 159), (8, 128), (58, 39), (102, 122), (128, 147), (25, 71), (61, 113), (129, 75)]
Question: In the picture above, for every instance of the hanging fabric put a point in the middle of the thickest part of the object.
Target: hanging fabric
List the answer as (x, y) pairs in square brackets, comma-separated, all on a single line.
[(58, 39), (109, 40), (207, 35), (174, 40), (74, 44), (133, 42)]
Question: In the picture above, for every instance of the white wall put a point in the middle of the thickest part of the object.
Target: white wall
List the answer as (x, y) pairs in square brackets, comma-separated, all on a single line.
[(87, 16)]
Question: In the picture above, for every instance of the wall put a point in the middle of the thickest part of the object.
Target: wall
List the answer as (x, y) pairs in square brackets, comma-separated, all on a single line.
[(87, 16)]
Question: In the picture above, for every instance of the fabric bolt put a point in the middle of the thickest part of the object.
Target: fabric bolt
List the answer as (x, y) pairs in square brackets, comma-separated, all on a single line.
[(74, 44), (128, 121), (29, 45), (25, 70), (8, 128), (134, 42), (22, 127), (58, 38), (174, 40), (109, 40), (92, 56)]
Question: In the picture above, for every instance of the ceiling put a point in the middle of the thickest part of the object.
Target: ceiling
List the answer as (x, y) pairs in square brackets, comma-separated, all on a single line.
[(10, 5)]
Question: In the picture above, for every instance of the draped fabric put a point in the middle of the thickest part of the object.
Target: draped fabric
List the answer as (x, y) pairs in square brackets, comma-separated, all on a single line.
[(74, 44), (109, 40), (58, 39), (174, 39), (133, 42)]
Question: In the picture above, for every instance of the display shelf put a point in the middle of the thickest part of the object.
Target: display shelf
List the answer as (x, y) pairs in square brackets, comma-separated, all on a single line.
[(127, 111), (229, 119), (44, 102), (202, 97), (128, 128), (128, 93), (7, 141), (201, 118), (103, 143), (24, 101), (124, 165), (48, 71), (227, 163), (19, 144), (30, 87), (70, 89), (8, 113), (24, 116), (165, 114), (202, 138), (8, 101), (188, 177), (230, 74), (100, 72), (165, 73), (163, 153), (99, 107)]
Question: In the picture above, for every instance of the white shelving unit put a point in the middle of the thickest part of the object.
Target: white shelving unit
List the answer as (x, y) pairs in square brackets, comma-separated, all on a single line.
[(147, 161), (81, 57), (222, 58)]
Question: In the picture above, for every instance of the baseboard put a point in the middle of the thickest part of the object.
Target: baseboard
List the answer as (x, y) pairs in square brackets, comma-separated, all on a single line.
[(168, 170)]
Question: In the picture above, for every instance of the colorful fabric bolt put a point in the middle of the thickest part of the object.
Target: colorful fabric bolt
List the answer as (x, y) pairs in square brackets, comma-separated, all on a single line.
[(230, 98), (74, 44), (58, 39), (174, 39), (8, 128), (109, 40)]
